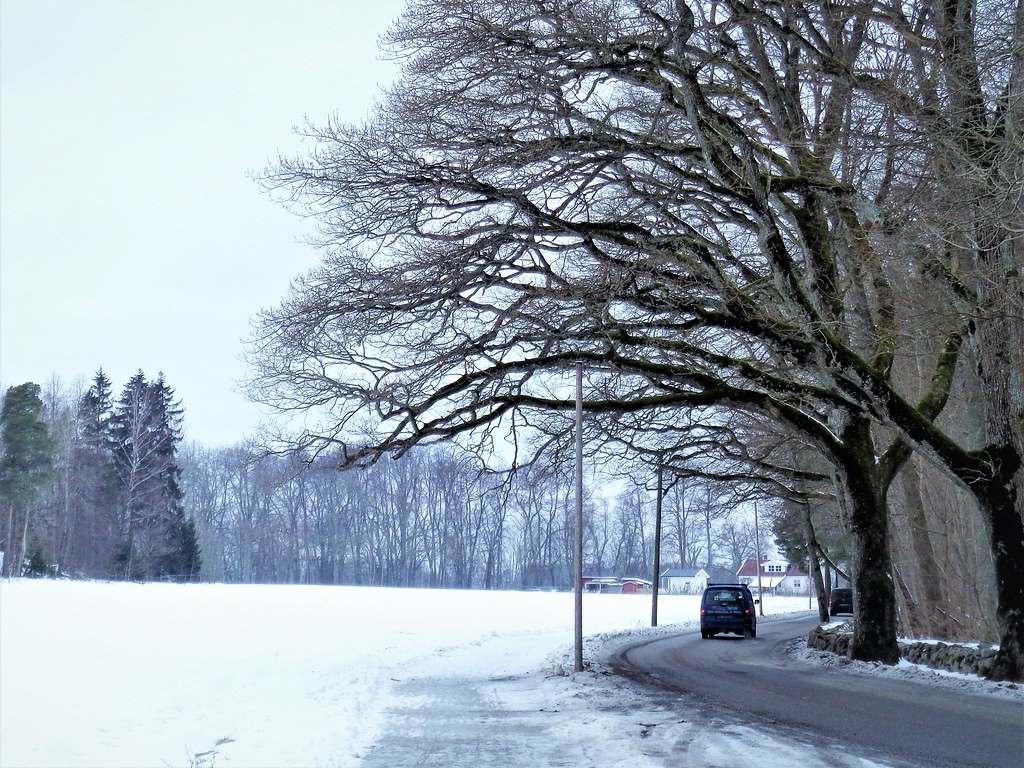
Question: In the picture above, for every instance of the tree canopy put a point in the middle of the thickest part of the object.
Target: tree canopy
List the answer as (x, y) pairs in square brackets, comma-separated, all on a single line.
[(801, 211), (26, 464)]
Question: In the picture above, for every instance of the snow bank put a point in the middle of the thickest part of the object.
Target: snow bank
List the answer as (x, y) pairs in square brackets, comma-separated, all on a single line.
[(242, 676), (131, 675)]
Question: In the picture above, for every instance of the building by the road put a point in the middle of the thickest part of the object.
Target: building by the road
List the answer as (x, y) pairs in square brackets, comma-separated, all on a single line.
[(684, 581), (778, 577), (616, 586)]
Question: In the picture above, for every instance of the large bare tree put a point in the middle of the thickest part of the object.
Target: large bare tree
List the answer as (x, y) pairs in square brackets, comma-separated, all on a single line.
[(714, 201)]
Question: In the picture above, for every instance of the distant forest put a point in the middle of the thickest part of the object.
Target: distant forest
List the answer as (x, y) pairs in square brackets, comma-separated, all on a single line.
[(123, 497), (91, 483), (119, 495)]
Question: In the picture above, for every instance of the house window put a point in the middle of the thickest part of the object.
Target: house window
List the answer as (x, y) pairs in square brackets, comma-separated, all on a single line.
[(796, 584)]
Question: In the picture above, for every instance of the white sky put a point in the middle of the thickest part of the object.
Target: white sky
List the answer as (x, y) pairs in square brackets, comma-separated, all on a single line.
[(131, 236)]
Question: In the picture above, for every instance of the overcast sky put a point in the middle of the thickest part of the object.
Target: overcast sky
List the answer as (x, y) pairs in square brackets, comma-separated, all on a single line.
[(131, 237)]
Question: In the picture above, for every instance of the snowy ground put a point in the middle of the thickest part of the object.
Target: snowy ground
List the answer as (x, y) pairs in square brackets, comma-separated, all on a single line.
[(118, 675)]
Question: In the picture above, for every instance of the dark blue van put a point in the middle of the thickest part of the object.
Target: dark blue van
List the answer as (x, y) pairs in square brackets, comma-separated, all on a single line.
[(840, 600), (727, 608)]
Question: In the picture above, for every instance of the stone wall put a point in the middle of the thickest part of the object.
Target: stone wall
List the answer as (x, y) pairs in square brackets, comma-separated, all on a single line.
[(952, 658)]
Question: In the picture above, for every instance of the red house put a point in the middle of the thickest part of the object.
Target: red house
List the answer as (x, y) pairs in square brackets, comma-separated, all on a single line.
[(616, 586)]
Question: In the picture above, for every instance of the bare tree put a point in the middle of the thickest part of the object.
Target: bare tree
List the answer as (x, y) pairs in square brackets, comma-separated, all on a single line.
[(682, 527), (710, 201), (737, 540)]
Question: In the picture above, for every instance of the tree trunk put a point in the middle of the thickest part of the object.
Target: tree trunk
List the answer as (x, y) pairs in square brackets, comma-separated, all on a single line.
[(9, 542), (874, 595), (24, 537), (815, 574), (997, 247), (1005, 528), (932, 620)]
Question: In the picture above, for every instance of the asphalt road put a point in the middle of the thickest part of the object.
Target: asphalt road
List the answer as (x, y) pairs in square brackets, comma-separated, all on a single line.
[(889, 719)]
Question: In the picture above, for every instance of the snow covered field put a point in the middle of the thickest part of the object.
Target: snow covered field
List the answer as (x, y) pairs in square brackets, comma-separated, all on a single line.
[(134, 675)]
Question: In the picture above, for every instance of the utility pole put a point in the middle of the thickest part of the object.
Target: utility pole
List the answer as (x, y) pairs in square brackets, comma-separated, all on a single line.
[(657, 546), (578, 544), (757, 548), (808, 578)]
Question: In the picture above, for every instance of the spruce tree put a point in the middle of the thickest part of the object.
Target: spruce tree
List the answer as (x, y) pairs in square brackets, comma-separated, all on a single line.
[(26, 465), (133, 459), (179, 544), (95, 411), (182, 561), (95, 483), (146, 430)]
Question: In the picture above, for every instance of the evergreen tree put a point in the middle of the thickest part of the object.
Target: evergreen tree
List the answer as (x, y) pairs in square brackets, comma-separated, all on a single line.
[(37, 565), (146, 431), (95, 412), (26, 465), (182, 561), (132, 469), (179, 546), (95, 488)]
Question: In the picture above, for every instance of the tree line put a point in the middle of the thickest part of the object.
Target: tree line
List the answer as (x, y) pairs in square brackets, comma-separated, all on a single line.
[(101, 488), (92, 484), (436, 518)]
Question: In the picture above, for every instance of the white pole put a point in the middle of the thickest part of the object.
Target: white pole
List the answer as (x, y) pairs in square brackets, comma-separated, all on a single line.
[(757, 547), (578, 565), (656, 583)]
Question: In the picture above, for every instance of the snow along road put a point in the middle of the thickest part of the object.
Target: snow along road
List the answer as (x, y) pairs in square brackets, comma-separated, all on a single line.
[(555, 719), (899, 721)]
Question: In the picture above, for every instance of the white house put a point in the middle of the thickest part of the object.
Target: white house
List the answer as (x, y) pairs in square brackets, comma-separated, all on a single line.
[(684, 581), (779, 577)]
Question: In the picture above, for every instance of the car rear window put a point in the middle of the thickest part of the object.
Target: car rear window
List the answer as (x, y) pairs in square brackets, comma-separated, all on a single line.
[(725, 596)]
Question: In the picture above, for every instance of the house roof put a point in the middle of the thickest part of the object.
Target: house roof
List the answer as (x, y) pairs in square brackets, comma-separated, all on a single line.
[(749, 568), (682, 573), (768, 582), (720, 575)]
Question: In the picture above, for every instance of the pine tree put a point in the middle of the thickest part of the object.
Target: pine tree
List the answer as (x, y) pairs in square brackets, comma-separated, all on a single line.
[(26, 465)]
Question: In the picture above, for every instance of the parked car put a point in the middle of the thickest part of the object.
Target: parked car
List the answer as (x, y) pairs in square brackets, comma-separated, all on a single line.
[(840, 600), (727, 608)]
